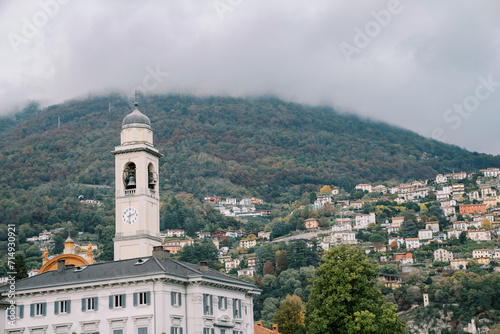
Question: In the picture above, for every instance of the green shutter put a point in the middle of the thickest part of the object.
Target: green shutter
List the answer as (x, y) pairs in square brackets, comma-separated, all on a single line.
[(44, 309), (239, 308), (180, 298), (68, 306), (111, 301), (84, 306), (135, 298), (148, 298), (56, 307), (124, 300), (225, 303), (96, 303), (211, 305), (21, 311), (234, 308), (172, 330), (205, 304), (172, 298)]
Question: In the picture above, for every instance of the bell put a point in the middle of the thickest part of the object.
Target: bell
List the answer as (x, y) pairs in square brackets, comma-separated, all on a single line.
[(151, 180), (131, 182)]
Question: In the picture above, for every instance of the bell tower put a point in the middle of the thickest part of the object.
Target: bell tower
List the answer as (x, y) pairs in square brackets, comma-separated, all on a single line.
[(137, 200)]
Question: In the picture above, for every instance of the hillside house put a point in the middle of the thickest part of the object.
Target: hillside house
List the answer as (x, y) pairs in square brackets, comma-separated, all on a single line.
[(479, 235), (448, 211), (425, 234), (458, 264), (459, 176), (412, 243), (361, 221), (364, 187), (443, 255), (342, 227), (479, 253), (433, 226), (440, 178), (248, 243), (264, 235), (400, 241), (490, 172), (403, 258), (380, 189), (454, 232), (311, 224), (468, 209)]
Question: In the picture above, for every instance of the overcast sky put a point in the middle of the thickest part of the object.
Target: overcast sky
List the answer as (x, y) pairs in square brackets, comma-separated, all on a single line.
[(431, 67)]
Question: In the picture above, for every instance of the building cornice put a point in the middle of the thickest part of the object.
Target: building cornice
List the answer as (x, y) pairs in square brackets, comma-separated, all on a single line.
[(138, 149)]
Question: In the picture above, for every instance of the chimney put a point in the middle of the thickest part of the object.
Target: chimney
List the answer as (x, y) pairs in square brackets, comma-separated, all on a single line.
[(259, 324), (275, 329), (61, 265), (160, 253), (204, 266)]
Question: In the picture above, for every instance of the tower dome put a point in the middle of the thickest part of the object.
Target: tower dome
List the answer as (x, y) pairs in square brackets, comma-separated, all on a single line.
[(136, 117)]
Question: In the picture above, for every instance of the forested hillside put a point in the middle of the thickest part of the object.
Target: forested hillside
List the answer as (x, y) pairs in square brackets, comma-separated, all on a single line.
[(236, 147)]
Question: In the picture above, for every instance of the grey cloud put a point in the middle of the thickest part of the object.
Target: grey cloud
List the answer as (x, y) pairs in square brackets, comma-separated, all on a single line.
[(426, 59)]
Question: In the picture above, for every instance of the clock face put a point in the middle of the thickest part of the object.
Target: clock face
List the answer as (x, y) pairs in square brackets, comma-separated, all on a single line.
[(130, 215)]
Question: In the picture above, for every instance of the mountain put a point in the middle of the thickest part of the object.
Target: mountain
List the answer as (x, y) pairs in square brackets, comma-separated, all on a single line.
[(219, 145), (223, 146)]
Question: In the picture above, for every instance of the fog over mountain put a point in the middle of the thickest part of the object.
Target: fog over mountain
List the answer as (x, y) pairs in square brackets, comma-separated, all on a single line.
[(426, 66)]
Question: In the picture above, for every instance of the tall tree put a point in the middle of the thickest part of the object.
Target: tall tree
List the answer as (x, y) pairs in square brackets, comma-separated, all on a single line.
[(409, 229), (20, 266), (290, 316), (344, 298)]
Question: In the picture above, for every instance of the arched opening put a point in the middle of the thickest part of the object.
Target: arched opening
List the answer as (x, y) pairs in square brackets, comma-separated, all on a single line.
[(152, 177), (129, 176)]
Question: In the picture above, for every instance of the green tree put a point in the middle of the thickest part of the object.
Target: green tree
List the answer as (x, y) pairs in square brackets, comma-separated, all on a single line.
[(463, 237), (377, 238), (58, 244), (409, 229), (20, 266), (290, 316), (344, 298)]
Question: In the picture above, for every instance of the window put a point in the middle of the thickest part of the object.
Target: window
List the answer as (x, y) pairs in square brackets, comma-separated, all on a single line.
[(20, 311), (142, 330), (208, 304), (222, 331), (222, 303), (175, 330), (142, 298), (117, 301), (38, 309), (237, 332), (208, 331), (237, 308), (176, 298), (62, 306), (117, 331), (89, 304)]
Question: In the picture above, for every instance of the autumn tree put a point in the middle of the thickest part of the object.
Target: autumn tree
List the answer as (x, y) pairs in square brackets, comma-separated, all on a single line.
[(325, 190), (268, 268), (485, 224), (290, 316), (345, 299), (281, 261)]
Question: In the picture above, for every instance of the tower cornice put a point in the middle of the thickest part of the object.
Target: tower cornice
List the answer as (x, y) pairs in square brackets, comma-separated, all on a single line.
[(138, 149)]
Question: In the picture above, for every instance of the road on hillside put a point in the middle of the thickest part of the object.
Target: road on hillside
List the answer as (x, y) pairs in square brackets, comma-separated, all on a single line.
[(307, 235)]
